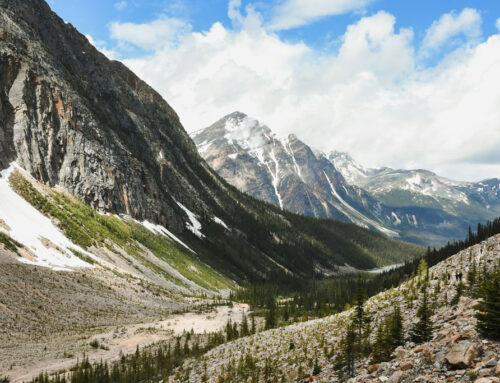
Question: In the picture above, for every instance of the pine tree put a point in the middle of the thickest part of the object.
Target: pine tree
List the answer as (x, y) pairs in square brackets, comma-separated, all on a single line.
[(458, 294), (348, 351), (271, 314), (422, 331), (488, 310), (472, 279), (244, 326), (396, 328)]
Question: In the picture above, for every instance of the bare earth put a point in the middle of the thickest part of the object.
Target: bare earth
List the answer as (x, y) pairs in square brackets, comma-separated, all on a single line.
[(48, 318)]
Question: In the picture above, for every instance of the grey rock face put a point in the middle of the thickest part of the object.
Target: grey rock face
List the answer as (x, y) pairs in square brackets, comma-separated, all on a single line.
[(73, 118)]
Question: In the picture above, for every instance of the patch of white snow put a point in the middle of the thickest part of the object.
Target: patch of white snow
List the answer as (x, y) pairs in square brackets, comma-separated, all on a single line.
[(35, 231), (194, 225)]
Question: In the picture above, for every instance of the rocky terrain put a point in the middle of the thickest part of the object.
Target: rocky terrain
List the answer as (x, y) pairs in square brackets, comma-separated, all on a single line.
[(455, 353), (416, 206)]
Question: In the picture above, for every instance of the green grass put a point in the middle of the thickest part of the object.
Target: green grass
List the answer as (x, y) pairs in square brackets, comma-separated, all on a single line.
[(9, 243), (86, 228)]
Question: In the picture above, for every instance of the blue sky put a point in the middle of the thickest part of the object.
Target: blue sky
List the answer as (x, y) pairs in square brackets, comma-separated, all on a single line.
[(395, 83), (94, 17)]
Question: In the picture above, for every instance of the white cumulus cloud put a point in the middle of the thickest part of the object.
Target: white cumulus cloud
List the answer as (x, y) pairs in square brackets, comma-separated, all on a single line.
[(295, 13), (153, 35), (369, 98), (467, 22)]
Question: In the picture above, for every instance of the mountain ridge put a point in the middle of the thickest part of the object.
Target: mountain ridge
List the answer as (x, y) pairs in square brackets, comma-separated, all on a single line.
[(291, 175)]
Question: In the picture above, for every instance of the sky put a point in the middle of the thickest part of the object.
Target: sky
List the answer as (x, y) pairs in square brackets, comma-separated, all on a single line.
[(404, 84)]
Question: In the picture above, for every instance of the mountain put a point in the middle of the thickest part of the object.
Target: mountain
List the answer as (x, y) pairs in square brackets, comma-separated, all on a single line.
[(469, 201), (284, 172), (78, 123), (293, 176)]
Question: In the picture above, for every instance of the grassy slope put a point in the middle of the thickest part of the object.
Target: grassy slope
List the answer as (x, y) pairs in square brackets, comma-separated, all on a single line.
[(86, 228)]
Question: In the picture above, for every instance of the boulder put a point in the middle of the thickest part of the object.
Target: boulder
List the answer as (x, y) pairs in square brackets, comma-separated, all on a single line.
[(396, 377), (373, 367), (406, 366), (461, 355), (483, 380)]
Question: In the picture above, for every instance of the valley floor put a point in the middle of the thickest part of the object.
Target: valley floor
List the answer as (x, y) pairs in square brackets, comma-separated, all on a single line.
[(49, 318)]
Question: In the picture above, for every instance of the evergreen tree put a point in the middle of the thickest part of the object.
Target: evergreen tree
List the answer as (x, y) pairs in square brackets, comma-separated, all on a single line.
[(422, 331), (396, 328), (271, 314), (348, 351), (244, 325), (472, 280), (488, 310), (458, 294)]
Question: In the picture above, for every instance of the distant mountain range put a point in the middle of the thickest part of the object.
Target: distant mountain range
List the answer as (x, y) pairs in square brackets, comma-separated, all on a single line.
[(415, 205)]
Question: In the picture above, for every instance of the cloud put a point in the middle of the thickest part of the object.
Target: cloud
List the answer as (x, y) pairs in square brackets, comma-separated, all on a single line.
[(467, 22), (370, 98), (121, 5), (295, 13), (154, 35), (498, 23)]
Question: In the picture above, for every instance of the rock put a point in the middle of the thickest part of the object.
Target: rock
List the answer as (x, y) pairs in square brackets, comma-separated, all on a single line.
[(396, 377), (491, 363), (454, 338), (461, 355), (483, 380), (400, 352), (373, 367), (383, 378), (405, 366), (497, 369)]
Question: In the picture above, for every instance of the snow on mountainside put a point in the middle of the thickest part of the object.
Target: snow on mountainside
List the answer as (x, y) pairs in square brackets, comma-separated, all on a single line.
[(415, 205), (284, 171), (470, 200)]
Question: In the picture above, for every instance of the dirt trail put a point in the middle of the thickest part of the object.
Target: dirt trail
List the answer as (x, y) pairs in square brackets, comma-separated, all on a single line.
[(125, 339)]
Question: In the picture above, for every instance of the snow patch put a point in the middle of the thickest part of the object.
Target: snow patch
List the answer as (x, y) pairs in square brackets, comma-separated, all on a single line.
[(275, 177), (396, 218), (220, 222), (159, 229), (355, 215), (194, 225), (36, 232), (233, 156), (415, 180)]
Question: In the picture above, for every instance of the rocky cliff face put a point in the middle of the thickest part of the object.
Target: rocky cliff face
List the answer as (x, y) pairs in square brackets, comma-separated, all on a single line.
[(73, 118)]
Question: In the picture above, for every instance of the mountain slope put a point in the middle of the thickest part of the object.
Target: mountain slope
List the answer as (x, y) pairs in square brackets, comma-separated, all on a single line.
[(290, 353), (284, 172), (73, 119), (468, 201), (289, 174)]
